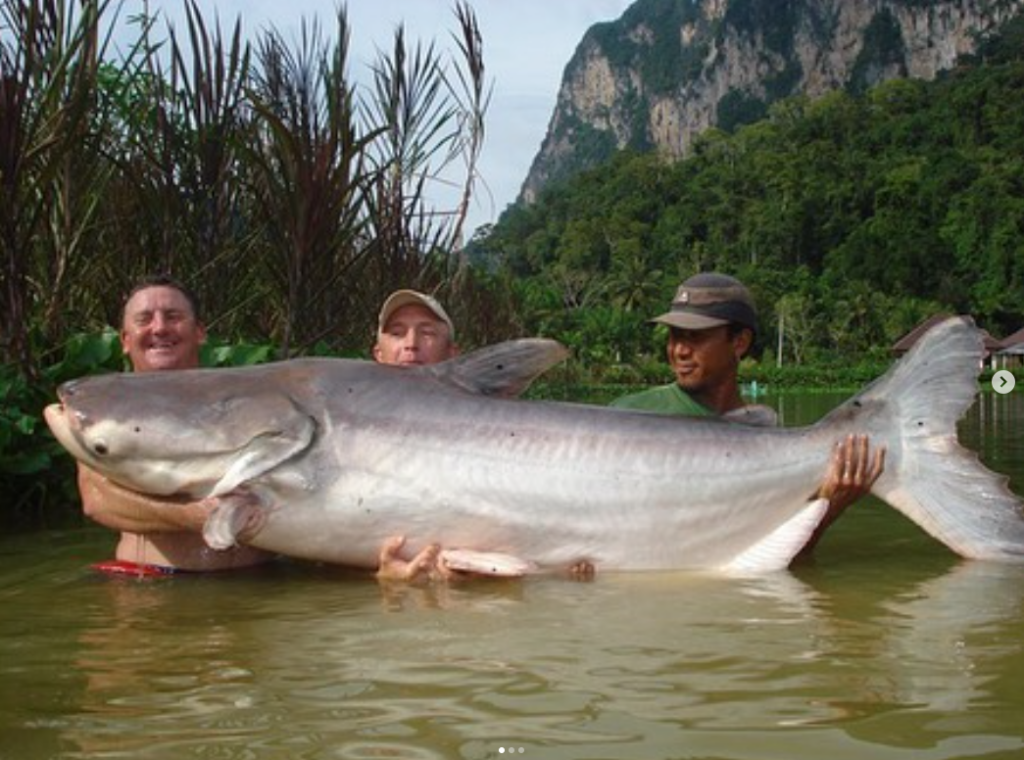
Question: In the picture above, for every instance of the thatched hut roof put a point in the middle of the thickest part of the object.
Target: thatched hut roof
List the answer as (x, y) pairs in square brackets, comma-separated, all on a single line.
[(905, 343), (1013, 344)]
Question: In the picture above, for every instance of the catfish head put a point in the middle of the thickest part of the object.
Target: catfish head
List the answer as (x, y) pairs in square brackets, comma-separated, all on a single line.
[(193, 432)]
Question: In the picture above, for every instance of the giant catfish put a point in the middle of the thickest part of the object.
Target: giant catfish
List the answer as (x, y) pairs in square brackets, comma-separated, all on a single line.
[(335, 456)]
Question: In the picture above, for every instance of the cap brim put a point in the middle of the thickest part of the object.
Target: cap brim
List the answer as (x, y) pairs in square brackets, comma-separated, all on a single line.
[(689, 321)]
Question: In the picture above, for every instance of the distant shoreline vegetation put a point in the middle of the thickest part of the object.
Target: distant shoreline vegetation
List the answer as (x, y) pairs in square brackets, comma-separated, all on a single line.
[(852, 218)]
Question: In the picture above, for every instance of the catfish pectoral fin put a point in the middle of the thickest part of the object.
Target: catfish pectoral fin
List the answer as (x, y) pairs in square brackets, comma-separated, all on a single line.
[(237, 514), (485, 563), (777, 550)]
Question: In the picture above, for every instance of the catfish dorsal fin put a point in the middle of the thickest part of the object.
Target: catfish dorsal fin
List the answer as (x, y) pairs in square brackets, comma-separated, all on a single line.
[(504, 370)]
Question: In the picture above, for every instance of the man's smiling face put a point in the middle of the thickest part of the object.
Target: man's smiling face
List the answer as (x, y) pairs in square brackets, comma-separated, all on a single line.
[(160, 330)]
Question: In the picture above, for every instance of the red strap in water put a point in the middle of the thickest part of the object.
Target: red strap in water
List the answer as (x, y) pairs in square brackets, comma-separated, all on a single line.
[(136, 569)]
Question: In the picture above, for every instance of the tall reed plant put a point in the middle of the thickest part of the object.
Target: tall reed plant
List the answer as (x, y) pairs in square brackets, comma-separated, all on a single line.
[(254, 170)]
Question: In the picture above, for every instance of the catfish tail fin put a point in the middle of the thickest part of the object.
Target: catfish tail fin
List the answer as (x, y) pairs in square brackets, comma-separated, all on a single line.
[(932, 479)]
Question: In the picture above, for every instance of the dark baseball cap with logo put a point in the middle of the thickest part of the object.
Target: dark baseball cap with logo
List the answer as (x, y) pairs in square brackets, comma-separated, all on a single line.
[(709, 300)]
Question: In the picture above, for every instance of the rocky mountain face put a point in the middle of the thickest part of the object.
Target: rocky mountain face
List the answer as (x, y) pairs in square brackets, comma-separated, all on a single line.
[(669, 69)]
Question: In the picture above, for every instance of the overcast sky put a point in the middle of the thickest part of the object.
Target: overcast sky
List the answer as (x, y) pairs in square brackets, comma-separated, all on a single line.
[(527, 44)]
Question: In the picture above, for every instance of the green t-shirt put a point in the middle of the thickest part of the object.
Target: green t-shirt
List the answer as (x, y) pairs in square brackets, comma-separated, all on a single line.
[(671, 399), (665, 399)]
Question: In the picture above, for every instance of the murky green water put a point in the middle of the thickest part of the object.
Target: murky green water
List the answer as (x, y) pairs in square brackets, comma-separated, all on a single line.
[(886, 647)]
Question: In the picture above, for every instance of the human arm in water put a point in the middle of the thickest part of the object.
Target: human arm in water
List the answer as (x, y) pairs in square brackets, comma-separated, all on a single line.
[(116, 507), (156, 518), (159, 531)]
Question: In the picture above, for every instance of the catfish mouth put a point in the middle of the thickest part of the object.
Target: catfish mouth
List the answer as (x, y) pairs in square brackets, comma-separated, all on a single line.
[(62, 421), (96, 450), (65, 424), (162, 454), (55, 415), (58, 419), (73, 429), (62, 413)]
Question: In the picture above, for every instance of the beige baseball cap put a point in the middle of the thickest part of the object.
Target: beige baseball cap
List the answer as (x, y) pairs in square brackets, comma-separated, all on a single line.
[(401, 298)]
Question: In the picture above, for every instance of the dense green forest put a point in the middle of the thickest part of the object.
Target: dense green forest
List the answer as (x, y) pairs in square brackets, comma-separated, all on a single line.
[(852, 217)]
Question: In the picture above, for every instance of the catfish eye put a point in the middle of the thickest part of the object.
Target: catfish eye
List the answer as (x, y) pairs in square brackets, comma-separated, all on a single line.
[(100, 448)]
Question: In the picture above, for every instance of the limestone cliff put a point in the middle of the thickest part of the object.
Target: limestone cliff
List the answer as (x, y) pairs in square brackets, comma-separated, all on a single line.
[(669, 69)]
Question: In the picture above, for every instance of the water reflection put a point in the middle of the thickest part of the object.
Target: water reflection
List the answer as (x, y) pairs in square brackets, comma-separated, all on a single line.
[(945, 630), (293, 661), (886, 646)]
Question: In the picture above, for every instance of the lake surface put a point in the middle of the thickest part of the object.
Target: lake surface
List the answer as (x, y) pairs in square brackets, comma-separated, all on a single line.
[(884, 647)]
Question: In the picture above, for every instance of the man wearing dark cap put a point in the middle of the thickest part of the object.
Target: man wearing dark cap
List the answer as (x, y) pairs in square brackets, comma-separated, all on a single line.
[(712, 325)]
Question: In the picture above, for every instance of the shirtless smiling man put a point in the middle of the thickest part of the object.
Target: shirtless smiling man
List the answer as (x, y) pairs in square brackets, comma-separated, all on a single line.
[(161, 330)]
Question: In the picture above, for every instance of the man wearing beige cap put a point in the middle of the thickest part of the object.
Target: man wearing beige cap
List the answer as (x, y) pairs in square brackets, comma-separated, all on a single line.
[(712, 325), (412, 329)]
